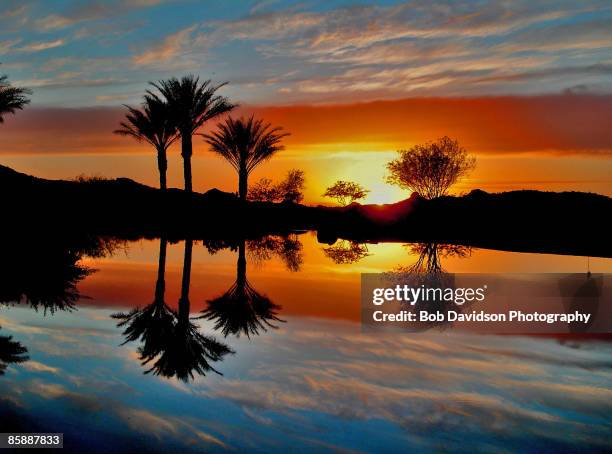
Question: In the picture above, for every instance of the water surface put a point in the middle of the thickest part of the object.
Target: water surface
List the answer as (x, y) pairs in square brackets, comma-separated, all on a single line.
[(297, 371)]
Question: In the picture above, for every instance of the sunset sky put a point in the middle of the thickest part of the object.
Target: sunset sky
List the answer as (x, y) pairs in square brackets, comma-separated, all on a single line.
[(525, 86)]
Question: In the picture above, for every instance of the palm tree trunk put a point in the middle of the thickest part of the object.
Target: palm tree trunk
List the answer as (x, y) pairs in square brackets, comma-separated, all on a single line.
[(162, 166), (183, 307), (186, 152), (242, 184)]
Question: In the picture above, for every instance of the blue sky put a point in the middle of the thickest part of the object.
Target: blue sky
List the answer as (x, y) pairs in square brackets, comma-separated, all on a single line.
[(88, 53)]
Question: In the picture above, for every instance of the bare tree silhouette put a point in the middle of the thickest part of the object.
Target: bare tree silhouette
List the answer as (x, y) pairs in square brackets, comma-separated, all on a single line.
[(432, 168), (345, 192), (245, 143), (192, 103), (290, 190), (152, 123)]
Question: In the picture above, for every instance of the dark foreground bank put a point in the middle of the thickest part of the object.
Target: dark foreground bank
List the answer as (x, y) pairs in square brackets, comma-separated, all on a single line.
[(563, 223)]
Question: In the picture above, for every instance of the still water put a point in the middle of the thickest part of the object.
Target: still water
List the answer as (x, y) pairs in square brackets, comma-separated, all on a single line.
[(127, 350)]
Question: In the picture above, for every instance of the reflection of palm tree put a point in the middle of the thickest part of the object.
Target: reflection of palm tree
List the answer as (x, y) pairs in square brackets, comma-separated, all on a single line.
[(241, 309), (11, 352), (346, 252), (172, 346), (245, 143), (152, 124), (192, 103), (155, 323)]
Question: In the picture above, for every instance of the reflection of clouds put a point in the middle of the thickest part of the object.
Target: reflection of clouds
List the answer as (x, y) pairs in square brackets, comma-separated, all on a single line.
[(161, 426), (512, 387), (35, 366), (464, 390)]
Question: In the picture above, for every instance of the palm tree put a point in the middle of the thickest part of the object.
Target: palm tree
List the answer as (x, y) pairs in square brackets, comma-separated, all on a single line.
[(11, 98), (152, 124), (192, 103), (245, 143)]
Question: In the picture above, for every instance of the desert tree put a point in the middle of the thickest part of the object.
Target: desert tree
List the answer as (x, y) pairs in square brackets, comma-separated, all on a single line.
[(345, 192), (289, 190), (191, 104), (245, 143), (152, 123), (292, 187), (432, 168)]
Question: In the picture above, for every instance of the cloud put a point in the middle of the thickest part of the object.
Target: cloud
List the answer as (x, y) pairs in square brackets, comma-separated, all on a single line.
[(39, 46), (577, 124), (160, 426), (35, 366), (90, 11), (173, 46)]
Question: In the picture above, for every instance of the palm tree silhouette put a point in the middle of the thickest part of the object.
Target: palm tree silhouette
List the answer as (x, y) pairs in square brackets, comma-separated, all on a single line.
[(192, 103), (11, 98), (11, 352), (241, 309), (245, 143), (152, 124)]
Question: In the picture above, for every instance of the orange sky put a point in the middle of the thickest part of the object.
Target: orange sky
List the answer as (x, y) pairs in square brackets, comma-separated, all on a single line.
[(558, 142)]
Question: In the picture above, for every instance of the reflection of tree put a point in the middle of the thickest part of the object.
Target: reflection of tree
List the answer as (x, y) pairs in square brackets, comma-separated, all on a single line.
[(242, 309), (11, 352), (172, 345), (44, 273), (427, 271), (430, 256), (287, 248), (345, 252), (153, 324)]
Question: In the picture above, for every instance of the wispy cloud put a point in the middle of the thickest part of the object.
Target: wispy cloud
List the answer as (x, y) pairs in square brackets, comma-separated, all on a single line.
[(172, 47)]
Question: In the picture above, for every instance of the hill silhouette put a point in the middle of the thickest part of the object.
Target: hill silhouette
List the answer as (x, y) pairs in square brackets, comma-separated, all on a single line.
[(536, 221)]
